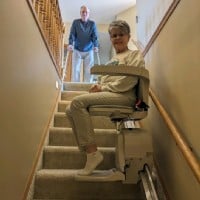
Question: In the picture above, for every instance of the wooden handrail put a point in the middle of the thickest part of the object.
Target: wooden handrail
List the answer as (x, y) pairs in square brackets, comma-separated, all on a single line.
[(182, 144)]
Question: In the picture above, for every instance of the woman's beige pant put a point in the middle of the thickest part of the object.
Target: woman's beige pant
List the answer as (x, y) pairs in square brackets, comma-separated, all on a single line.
[(80, 118)]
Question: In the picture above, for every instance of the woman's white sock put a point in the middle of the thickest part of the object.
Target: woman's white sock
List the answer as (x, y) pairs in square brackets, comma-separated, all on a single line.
[(93, 160)]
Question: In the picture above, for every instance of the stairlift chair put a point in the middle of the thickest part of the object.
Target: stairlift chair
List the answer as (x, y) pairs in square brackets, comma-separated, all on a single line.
[(133, 144)]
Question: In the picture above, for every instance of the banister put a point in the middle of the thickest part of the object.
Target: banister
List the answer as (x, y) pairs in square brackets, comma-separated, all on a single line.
[(48, 17), (182, 144)]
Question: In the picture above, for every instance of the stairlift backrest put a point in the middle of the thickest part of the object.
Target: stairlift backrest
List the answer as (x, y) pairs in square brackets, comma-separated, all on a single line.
[(142, 92)]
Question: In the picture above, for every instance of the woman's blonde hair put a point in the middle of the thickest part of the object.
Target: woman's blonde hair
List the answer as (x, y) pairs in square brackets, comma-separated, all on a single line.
[(121, 24)]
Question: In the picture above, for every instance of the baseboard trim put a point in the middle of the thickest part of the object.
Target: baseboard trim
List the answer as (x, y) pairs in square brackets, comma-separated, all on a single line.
[(30, 178)]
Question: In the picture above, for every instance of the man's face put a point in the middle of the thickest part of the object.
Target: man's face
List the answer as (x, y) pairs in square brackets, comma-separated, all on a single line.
[(84, 14)]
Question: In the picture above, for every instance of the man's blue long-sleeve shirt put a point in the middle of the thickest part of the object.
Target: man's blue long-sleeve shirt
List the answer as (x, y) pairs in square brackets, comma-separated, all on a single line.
[(83, 35)]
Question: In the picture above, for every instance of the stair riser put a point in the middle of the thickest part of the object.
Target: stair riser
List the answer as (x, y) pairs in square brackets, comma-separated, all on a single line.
[(73, 160), (62, 106), (68, 139), (76, 86), (61, 158), (68, 96), (60, 120), (62, 139), (72, 190)]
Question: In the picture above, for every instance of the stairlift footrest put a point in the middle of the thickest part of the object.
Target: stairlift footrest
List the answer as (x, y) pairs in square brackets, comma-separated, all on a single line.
[(102, 176)]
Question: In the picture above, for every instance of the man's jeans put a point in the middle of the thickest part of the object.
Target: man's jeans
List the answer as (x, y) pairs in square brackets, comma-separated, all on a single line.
[(88, 62)]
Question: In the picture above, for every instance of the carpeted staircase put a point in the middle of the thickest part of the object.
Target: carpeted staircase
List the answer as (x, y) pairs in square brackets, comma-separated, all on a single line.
[(62, 159)]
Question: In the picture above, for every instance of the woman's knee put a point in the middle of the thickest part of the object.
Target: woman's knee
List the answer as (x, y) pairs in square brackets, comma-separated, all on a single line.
[(76, 104)]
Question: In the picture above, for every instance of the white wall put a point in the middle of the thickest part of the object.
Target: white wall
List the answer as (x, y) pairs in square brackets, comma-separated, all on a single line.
[(173, 62), (129, 16), (28, 94), (149, 15)]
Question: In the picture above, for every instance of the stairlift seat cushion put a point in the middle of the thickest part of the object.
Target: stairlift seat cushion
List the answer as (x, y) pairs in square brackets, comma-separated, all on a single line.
[(119, 70), (117, 111)]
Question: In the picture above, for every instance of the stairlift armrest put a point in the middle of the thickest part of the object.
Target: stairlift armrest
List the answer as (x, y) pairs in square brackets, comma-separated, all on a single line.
[(118, 70), (125, 70), (139, 111)]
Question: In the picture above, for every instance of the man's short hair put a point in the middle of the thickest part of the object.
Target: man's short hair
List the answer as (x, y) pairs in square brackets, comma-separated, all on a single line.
[(85, 7)]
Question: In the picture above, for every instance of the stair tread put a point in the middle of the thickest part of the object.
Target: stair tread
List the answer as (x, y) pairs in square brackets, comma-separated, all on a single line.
[(77, 86), (75, 149), (61, 120), (96, 130), (56, 173), (63, 182), (64, 101), (64, 129), (74, 91), (56, 179), (63, 136), (63, 173)]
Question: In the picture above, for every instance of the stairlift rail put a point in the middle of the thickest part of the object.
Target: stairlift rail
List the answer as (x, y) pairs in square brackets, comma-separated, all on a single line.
[(148, 184), (98, 59), (93, 77)]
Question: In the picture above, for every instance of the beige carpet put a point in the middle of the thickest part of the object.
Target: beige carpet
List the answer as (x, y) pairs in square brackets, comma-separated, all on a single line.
[(61, 160)]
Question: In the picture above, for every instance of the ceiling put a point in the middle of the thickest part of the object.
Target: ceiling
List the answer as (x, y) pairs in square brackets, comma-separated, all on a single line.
[(101, 11)]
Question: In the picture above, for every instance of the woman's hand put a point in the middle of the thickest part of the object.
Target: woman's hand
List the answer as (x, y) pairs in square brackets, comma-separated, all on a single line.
[(95, 88)]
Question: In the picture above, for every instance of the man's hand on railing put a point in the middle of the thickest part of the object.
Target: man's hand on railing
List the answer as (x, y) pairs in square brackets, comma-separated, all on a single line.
[(70, 48), (96, 49)]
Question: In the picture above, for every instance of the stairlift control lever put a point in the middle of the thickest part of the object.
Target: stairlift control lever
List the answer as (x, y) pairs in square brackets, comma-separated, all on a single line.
[(129, 123)]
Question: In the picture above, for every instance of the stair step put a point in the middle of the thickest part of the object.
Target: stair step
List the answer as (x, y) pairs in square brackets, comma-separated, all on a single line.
[(60, 184), (69, 95), (59, 157), (99, 122), (62, 159), (73, 86), (62, 105), (65, 137)]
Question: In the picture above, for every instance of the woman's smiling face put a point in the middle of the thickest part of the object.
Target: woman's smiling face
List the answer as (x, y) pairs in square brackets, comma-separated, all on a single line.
[(119, 39)]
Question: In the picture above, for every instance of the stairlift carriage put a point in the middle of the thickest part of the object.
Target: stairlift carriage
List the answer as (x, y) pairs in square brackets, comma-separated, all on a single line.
[(133, 147)]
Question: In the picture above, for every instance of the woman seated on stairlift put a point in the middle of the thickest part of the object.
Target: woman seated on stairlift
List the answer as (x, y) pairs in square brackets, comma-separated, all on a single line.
[(110, 90)]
